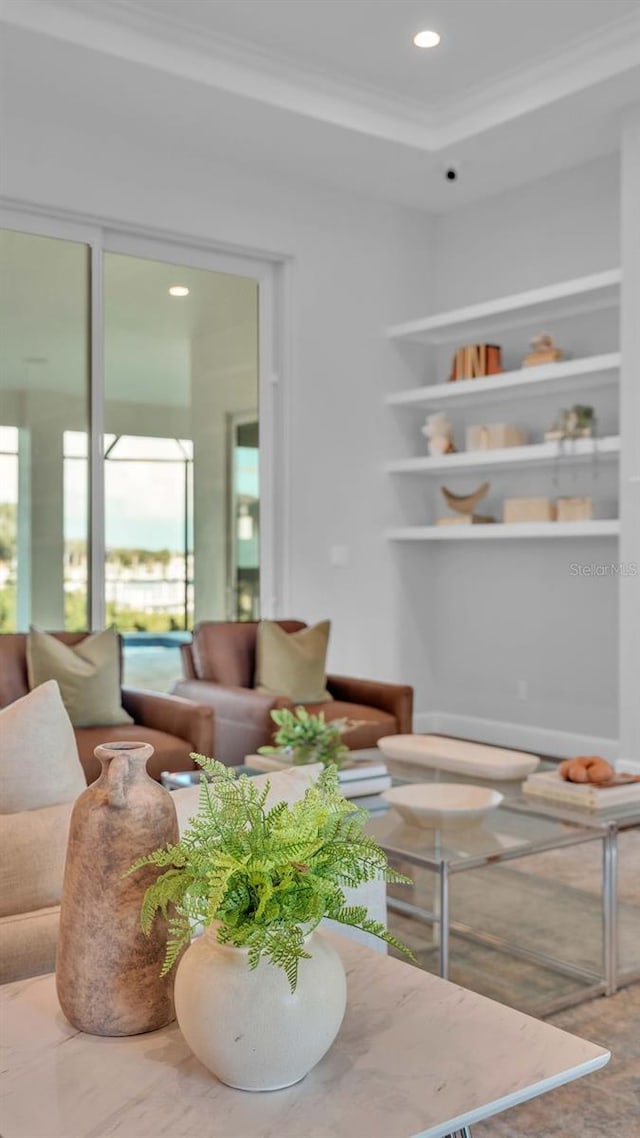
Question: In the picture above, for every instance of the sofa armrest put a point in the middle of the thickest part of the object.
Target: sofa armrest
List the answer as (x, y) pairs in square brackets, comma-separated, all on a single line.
[(396, 699), (233, 703), (182, 717)]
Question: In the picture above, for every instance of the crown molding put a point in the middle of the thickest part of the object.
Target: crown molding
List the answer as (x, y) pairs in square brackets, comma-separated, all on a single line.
[(613, 52), (174, 46), (223, 65)]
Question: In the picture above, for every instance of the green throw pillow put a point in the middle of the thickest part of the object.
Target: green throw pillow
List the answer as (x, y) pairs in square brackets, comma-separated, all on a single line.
[(88, 675), (293, 663)]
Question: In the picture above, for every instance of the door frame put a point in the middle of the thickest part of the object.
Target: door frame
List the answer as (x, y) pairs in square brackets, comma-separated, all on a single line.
[(272, 275)]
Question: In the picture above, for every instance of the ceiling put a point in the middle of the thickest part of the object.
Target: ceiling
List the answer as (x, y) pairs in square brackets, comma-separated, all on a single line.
[(369, 42), (333, 91)]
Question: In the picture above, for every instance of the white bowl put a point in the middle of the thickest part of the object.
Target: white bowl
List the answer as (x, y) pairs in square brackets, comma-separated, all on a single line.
[(438, 805)]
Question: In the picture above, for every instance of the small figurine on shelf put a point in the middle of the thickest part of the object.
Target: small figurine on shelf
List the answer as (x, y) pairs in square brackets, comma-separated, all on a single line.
[(464, 506), (543, 351), (579, 422), (438, 431)]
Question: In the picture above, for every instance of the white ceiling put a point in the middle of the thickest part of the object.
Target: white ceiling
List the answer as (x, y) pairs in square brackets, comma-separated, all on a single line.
[(333, 91), (369, 42)]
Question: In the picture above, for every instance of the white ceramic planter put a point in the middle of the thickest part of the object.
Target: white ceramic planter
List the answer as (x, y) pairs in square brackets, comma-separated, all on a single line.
[(247, 1027)]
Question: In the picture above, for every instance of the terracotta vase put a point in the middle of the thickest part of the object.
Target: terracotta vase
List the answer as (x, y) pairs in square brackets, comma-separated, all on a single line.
[(107, 971)]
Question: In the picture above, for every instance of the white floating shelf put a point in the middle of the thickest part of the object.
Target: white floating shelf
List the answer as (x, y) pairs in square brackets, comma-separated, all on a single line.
[(534, 454), (499, 531), (591, 371), (566, 298)]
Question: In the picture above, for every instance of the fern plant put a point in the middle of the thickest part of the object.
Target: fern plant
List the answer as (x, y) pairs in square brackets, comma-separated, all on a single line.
[(308, 738), (267, 875)]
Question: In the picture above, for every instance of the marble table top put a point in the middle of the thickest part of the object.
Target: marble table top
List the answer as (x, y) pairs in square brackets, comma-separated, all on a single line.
[(416, 1056)]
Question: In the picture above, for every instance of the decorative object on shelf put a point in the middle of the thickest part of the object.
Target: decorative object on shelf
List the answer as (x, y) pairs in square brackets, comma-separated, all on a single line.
[(307, 738), (261, 996), (543, 351), (108, 974), (438, 430), (464, 505), (475, 360), (579, 422), (574, 509), (528, 510), (494, 436), (442, 805)]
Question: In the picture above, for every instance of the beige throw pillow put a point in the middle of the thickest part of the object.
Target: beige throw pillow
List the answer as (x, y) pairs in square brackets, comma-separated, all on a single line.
[(39, 764), (293, 663), (33, 847), (88, 674)]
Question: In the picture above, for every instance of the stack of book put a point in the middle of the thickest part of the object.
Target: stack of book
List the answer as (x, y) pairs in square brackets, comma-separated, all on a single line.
[(358, 777), (584, 795)]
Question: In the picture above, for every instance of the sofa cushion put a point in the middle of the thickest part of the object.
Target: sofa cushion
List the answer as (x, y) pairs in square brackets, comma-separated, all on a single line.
[(33, 845), (293, 664), (88, 674), (28, 944), (38, 754), (370, 723), (170, 752)]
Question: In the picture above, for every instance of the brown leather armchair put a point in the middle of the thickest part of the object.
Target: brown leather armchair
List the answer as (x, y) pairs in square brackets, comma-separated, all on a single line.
[(219, 667), (175, 727)]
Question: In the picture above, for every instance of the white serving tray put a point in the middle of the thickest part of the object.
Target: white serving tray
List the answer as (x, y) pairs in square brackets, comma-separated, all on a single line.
[(459, 756)]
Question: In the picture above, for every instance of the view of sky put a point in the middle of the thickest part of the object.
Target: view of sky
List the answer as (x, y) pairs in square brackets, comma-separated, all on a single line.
[(144, 501)]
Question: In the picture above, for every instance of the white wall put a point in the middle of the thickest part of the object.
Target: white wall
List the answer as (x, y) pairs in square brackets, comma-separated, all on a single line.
[(356, 266), (630, 463), (462, 626), (512, 617)]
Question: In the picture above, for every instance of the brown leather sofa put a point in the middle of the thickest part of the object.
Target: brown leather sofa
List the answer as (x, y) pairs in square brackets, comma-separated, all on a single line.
[(175, 727), (219, 667)]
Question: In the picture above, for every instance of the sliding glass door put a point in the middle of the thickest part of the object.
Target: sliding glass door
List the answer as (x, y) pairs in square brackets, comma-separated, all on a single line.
[(129, 446), (44, 416)]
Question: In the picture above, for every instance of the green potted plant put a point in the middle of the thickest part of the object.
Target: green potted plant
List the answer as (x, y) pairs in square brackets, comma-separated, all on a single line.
[(307, 738), (261, 995)]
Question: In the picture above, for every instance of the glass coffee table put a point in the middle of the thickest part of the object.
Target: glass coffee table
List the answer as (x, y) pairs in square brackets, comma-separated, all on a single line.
[(509, 918), (519, 828)]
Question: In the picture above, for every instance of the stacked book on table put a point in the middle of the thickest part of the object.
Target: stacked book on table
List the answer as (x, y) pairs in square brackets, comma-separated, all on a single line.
[(550, 786), (358, 777)]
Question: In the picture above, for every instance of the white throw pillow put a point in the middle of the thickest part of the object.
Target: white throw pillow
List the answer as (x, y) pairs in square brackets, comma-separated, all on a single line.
[(39, 764)]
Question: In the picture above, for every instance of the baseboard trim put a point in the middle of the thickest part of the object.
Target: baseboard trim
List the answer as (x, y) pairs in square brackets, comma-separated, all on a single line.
[(523, 737)]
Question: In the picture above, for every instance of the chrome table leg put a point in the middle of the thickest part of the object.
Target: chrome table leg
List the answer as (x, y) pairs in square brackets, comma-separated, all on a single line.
[(444, 920), (609, 910)]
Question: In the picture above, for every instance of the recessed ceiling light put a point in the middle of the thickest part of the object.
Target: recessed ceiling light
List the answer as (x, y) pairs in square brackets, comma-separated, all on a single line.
[(426, 39), (179, 290)]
